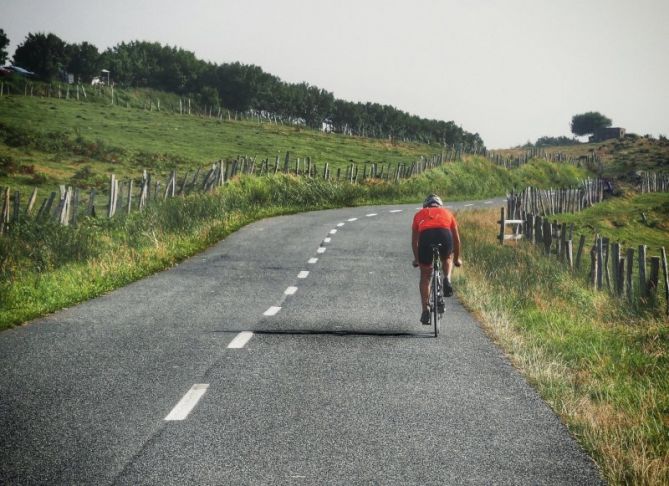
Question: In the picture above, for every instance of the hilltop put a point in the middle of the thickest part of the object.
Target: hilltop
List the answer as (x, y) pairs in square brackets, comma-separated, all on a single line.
[(616, 158)]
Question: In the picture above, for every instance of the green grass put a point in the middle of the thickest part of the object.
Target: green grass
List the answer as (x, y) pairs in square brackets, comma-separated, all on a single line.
[(59, 137), (621, 220), (598, 363)]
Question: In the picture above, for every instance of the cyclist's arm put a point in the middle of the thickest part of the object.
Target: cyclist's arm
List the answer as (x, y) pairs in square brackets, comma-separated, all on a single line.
[(414, 243), (456, 244)]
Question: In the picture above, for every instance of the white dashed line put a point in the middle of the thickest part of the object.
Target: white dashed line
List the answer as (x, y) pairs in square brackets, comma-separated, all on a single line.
[(334, 231), (352, 219), (467, 205), (321, 250), (303, 274), (371, 214), (243, 337), (290, 291), (340, 225), (312, 260), (396, 210), (272, 311), (187, 403), (488, 202), (327, 240)]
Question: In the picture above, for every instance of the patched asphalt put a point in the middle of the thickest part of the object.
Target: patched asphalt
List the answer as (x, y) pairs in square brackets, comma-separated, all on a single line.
[(342, 386)]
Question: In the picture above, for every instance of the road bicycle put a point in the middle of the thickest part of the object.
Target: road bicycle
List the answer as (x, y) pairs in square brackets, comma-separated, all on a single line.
[(436, 301)]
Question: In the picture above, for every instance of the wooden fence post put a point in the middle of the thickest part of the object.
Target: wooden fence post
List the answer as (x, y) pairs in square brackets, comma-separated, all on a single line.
[(563, 240), (111, 208), (615, 263), (31, 203), (579, 252), (16, 207), (49, 204), (548, 236), (600, 268), (4, 217), (91, 204), (628, 274), (129, 197), (654, 276), (501, 222), (643, 289), (569, 250), (593, 266), (606, 272), (75, 207), (666, 277)]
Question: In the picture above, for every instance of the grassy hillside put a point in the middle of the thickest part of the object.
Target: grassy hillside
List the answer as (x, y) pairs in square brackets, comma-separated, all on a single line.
[(630, 219), (620, 159), (49, 141)]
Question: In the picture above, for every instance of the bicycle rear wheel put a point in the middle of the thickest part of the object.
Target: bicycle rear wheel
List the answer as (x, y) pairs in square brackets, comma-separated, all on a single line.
[(434, 298)]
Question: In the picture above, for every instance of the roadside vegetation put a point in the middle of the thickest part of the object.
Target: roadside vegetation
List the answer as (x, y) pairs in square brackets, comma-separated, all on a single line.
[(45, 267), (600, 364)]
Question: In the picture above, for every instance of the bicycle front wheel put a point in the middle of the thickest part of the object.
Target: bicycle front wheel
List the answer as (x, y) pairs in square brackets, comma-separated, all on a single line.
[(434, 297)]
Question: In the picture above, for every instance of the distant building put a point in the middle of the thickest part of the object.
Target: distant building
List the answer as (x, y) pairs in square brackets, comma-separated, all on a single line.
[(602, 134)]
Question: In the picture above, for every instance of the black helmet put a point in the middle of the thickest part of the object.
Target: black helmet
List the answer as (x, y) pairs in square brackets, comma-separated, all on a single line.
[(432, 199)]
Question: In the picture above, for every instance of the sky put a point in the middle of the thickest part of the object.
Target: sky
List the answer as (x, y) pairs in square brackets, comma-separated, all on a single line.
[(509, 70)]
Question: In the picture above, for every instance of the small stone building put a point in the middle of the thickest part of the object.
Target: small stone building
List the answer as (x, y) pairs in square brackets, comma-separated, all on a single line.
[(602, 134)]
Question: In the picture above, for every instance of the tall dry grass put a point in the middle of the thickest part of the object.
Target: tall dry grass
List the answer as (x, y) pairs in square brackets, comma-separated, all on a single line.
[(600, 365)]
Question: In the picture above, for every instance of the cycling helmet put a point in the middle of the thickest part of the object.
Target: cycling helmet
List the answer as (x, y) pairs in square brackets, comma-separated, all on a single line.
[(431, 200)]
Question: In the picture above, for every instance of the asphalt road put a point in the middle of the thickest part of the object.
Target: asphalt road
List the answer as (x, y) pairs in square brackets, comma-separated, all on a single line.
[(239, 367)]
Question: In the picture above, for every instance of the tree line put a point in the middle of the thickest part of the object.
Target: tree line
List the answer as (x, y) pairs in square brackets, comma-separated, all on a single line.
[(235, 86)]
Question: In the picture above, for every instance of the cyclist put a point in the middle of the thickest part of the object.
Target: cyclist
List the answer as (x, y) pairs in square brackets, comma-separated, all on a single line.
[(434, 224)]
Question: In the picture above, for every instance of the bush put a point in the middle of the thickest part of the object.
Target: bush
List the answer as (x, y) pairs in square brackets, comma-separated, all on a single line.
[(8, 166)]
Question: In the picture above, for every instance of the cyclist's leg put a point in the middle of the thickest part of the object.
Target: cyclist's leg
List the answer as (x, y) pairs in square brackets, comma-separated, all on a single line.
[(446, 254), (425, 264), (425, 276)]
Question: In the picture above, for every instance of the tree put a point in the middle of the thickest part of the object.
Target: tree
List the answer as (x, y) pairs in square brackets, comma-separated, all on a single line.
[(4, 42), (588, 123), (44, 54), (84, 61)]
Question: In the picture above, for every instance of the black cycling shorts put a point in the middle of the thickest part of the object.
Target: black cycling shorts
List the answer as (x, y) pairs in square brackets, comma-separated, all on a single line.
[(430, 237)]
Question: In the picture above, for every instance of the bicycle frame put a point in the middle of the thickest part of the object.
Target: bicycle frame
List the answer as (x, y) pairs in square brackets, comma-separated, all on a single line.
[(436, 291)]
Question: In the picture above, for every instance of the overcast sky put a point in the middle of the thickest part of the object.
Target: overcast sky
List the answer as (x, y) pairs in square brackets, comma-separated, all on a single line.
[(511, 70)]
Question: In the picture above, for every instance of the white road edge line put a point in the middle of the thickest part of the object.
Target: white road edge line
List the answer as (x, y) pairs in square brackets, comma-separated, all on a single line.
[(488, 202), (272, 311), (303, 274), (188, 402), (467, 205), (321, 250), (290, 291), (312, 260)]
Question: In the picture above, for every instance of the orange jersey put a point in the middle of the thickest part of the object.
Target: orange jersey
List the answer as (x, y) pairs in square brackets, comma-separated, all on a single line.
[(428, 218)]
